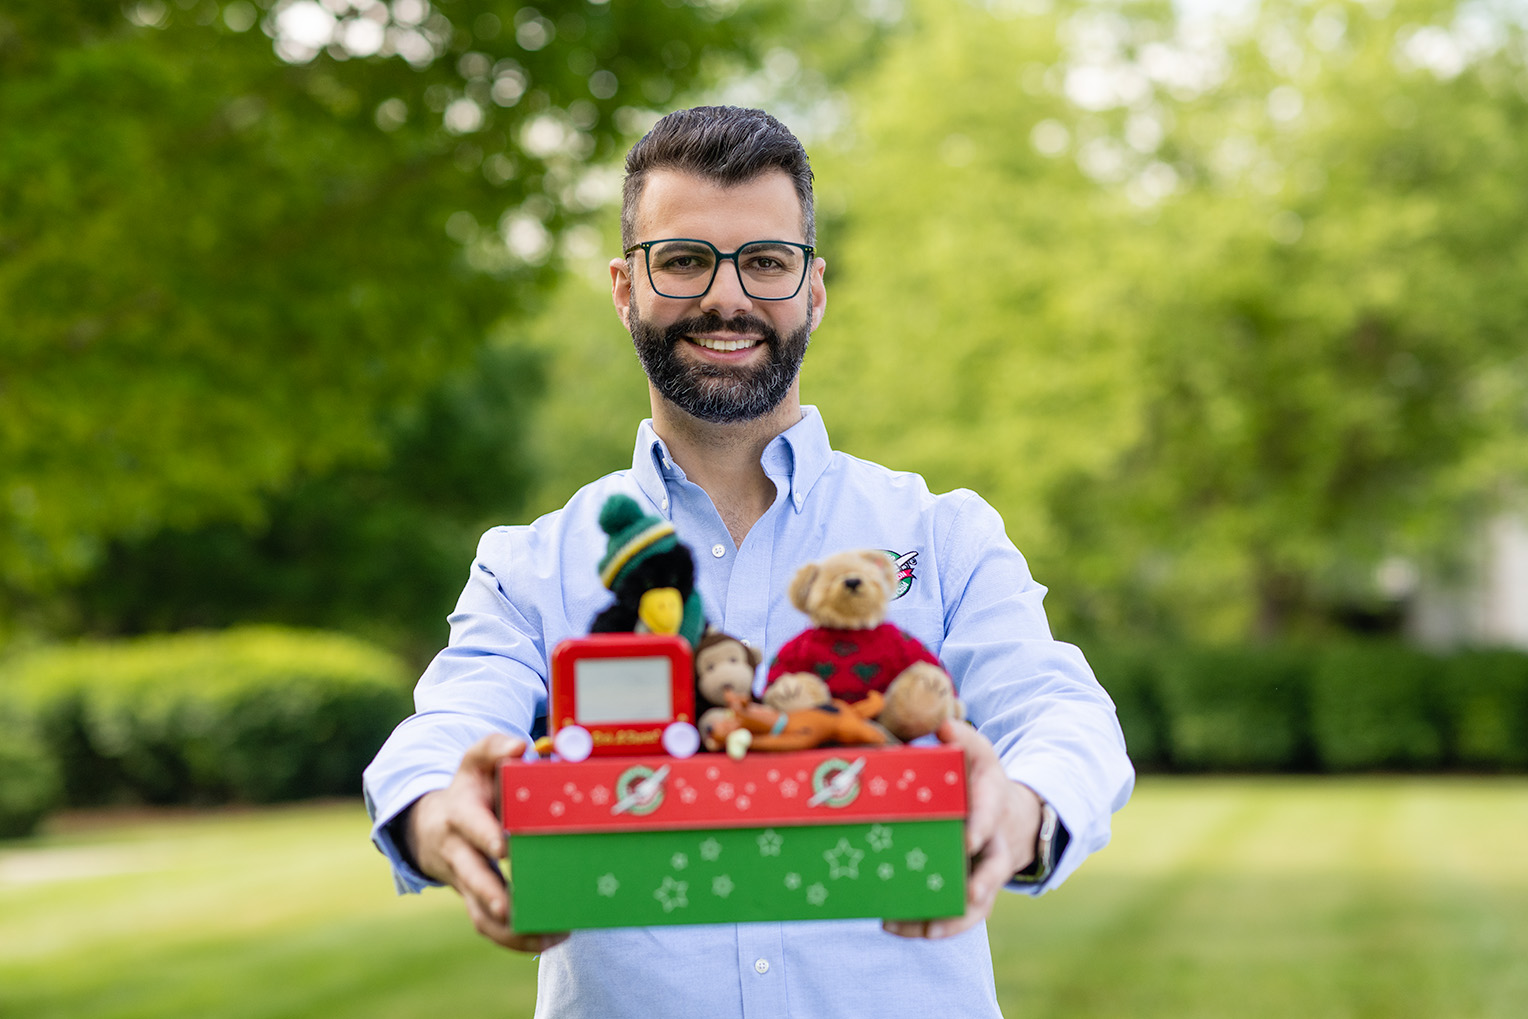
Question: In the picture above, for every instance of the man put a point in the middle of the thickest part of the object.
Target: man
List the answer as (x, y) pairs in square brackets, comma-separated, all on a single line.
[(720, 289)]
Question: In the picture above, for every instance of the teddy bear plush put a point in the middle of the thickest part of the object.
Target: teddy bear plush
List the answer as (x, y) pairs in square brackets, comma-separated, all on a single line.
[(852, 651), (650, 572)]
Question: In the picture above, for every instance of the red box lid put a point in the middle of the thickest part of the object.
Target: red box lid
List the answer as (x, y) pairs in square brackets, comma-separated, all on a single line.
[(829, 786)]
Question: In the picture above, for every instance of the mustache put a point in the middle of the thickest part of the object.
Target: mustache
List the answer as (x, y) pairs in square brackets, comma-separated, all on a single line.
[(714, 323)]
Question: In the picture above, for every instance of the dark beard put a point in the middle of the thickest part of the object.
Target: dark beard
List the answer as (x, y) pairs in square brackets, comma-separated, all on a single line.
[(717, 392)]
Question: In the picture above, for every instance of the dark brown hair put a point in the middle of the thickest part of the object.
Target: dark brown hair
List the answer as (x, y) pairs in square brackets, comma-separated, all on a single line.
[(724, 144)]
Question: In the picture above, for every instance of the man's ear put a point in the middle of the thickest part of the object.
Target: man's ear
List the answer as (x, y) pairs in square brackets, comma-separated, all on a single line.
[(620, 289), (818, 291)]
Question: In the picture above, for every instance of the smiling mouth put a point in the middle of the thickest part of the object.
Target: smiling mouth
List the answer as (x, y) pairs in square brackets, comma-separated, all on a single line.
[(724, 345)]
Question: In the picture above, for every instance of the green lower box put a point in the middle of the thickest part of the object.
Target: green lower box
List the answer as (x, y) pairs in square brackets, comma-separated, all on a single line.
[(901, 870)]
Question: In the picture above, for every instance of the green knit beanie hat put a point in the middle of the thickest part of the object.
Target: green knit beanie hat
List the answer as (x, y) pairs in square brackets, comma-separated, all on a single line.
[(633, 536)]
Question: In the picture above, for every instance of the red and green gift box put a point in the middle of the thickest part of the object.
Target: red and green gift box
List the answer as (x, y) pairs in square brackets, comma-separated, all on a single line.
[(820, 834)]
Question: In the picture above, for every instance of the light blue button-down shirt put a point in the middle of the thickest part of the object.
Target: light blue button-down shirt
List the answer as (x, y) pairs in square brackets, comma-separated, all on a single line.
[(970, 599)]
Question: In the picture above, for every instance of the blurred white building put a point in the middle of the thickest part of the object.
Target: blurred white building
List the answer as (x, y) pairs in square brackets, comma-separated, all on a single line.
[(1488, 604)]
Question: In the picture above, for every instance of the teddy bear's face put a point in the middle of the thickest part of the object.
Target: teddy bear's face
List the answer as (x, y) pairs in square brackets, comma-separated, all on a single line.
[(723, 666), (847, 591)]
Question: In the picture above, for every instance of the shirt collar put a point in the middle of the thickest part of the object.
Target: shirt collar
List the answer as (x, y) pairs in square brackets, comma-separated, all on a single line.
[(799, 455)]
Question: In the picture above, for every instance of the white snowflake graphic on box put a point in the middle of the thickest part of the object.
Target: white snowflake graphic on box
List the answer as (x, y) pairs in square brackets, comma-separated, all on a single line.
[(843, 860), (879, 837), (672, 894), (608, 885)]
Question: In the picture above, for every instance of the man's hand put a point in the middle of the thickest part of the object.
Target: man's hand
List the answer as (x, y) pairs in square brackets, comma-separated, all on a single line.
[(1001, 828), (456, 839)]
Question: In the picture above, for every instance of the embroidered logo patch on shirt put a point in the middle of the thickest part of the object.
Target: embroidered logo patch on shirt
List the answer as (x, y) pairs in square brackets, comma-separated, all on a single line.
[(904, 563)]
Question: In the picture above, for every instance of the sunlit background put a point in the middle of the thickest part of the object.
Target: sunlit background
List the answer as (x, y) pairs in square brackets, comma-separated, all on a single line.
[(1223, 305)]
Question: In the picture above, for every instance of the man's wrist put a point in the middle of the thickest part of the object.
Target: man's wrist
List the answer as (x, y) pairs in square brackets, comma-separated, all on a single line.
[(400, 831), (1050, 842)]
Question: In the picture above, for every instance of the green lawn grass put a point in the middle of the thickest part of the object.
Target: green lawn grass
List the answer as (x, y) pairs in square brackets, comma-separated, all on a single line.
[(1390, 898)]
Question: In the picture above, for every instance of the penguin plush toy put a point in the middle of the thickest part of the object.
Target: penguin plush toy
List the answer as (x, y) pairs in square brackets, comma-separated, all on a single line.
[(650, 572)]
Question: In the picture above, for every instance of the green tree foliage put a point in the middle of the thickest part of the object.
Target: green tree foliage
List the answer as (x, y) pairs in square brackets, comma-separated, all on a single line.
[(240, 243), (380, 550), (1221, 311)]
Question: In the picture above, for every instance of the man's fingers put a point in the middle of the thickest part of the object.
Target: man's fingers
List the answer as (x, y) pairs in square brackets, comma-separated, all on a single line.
[(499, 932), (476, 825), (484, 755), (990, 873), (985, 782), (476, 879)]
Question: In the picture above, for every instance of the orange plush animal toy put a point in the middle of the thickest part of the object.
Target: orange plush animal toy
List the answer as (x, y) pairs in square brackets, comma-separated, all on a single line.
[(760, 727)]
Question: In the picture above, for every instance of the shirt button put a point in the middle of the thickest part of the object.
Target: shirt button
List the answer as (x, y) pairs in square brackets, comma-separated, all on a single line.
[(718, 551), (664, 505), (761, 967), (744, 642)]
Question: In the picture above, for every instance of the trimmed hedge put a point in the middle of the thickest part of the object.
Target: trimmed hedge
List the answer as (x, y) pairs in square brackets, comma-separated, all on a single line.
[(29, 782), (1351, 706), (255, 714)]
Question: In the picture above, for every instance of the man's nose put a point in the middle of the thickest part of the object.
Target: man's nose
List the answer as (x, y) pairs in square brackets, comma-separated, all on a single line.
[(726, 296)]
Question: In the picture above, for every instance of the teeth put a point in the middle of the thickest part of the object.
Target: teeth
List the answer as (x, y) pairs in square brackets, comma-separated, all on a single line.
[(723, 345)]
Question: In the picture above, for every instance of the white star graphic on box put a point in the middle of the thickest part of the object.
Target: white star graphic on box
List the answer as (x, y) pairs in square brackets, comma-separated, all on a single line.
[(924, 795), (568, 788), (885, 871), (843, 860), (916, 859), (878, 786), (672, 894), (950, 778), (688, 794), (721, 886), (522, 794), (773, 774), (710, 849), (816, 894), (879, 837), (769, 842), (788, 789), (713, 773), (743, 803), (793, 881), (557, 808), (599, 795), (724, 791), (935, 882), (608, 885), (679, 861)]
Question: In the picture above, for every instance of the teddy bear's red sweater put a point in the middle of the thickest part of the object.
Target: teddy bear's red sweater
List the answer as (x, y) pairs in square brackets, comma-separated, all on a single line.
[(851, 662)]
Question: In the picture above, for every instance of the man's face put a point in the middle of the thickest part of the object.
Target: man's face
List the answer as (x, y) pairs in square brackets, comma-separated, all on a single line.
[(723, 356)]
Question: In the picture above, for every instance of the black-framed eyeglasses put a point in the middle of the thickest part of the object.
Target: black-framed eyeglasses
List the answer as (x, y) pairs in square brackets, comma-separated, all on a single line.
[(685, 267)]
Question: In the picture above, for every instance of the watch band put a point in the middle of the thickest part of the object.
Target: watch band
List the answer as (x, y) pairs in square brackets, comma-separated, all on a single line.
[(1049, 843)]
